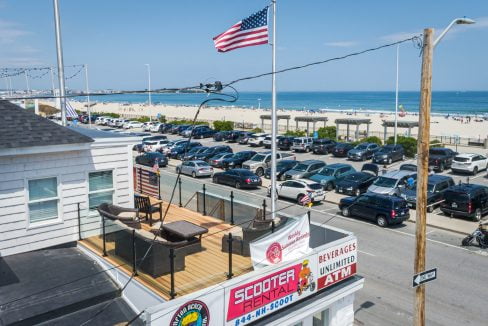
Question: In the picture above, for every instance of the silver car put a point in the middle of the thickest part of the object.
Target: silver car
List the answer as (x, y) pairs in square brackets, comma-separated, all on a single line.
[(195, 169), (391, 183)]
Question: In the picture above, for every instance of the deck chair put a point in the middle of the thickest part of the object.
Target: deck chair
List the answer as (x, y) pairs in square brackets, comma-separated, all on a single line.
[(143, 204)]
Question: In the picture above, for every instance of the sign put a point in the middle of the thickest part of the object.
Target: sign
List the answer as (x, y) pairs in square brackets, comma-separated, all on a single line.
[(267, 294), (424, 277), (288, 243), (337, 263)]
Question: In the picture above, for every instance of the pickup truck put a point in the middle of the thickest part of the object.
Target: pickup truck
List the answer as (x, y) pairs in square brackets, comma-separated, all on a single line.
[(259, 162), (441, 158)]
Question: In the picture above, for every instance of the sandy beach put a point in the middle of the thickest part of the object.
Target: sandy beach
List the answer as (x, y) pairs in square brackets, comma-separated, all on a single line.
[(440, 125)]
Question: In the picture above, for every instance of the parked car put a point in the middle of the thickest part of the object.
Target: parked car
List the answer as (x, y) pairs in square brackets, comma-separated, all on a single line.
[(176, 129), (244, 137), (302, 144), (390, 182), (239, 178), (441, 158), (357, 183), (363, 151), (195, 168), (467, 200), (257, 139), (217, 160), (146, 126), (165, 128), (199, 132), (285, 143), (121, 122), (179, 151), (408, 167), (267, 141), (436, 186), (281, 167), (383, 210), (469, 163), (220, 135), (212, 151), (297, 189), (166, 149), (330, 174), (236, 160), (155, 127), (150, 159), (323, 145), (389, 154), (341, 149), (190, 155), (132, 124), (260, 161), (154, 145), (233, 136), (304, 169), (182, 130)]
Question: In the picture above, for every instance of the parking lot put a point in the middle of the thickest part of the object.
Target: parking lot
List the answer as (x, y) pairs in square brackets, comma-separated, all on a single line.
[(437, 218)]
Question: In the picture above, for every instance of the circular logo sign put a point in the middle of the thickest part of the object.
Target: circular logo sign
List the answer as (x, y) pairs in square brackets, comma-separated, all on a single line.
[(273, 253), (192, 313)]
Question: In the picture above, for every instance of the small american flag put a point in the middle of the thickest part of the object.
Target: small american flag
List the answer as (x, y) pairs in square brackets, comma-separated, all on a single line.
[(305, 200), (250, 31)]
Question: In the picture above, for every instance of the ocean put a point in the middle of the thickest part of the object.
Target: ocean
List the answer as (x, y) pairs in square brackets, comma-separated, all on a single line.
[(452, 103)]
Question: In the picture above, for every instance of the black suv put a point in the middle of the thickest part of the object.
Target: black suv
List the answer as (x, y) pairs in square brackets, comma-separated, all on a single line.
[(149, 159), (436, 186), (323, 146), (237, 159), (441, 158), (221, 135), (211, 151), (178, 151), (285, 143), (382, 209), (469, 200), (341, 149), (389, 154)]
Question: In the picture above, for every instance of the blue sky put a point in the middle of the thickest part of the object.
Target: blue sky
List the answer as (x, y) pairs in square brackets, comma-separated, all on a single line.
[(116, 39)]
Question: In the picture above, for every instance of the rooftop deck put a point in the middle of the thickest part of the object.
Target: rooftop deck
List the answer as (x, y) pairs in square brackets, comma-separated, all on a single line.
[(201, 269)]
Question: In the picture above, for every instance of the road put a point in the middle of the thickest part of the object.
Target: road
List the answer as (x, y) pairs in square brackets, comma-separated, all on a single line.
[(386, 258)]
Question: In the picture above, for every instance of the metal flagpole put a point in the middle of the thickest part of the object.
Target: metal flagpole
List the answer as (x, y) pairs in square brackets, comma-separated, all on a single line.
[(6, 85), (273, 117), (11, 88), (88, 109), (59, 52), (52, 79), (396, 92), (27, 82)]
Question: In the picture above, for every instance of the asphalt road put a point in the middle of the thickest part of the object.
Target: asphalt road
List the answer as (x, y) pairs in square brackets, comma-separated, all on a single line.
[(457, 297)]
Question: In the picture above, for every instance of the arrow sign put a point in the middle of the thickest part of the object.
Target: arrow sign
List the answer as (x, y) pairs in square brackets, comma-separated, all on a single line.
[(424, 277)]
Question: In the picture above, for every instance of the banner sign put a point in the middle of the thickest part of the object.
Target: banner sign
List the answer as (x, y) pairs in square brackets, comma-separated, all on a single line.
[(337, 263), (288, 243), (266, 294)]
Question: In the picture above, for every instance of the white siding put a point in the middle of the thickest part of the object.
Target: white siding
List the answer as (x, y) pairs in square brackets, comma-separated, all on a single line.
[(71, 168)]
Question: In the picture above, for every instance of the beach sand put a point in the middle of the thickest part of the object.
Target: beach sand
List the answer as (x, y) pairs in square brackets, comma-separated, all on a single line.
[(440, 125)]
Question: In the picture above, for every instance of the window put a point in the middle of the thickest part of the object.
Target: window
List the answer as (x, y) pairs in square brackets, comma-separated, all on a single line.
[(321, 318), (43, 199), (100, 188)]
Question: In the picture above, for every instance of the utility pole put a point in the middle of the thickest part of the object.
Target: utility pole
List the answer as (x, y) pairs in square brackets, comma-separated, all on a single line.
[(274, 125), (396, 91), (88, 109), (422, 172), (59, 53)]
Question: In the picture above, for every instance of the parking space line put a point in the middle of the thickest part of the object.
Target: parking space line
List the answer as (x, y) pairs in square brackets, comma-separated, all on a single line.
[(367, 253)]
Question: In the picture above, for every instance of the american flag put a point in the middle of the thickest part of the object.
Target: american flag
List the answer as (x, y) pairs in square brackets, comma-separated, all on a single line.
[(70, 111), (305, 199), (250, 31)]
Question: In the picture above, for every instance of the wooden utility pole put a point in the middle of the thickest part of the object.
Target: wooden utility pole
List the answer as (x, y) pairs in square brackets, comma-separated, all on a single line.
[(422, 171)]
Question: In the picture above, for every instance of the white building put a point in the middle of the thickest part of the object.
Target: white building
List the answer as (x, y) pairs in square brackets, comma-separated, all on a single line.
[(47, 171)]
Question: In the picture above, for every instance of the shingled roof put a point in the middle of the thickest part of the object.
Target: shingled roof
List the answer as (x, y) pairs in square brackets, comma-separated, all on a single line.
[(22, 128)]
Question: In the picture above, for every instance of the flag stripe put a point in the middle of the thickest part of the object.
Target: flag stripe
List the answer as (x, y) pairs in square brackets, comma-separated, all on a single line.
[(70, 112), (241, 36), (242, 44)]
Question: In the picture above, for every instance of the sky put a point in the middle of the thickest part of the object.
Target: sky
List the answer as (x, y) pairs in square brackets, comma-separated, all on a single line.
[(117, 38)]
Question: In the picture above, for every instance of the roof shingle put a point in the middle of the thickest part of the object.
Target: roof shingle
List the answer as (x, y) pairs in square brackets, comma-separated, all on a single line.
[(21, 128)]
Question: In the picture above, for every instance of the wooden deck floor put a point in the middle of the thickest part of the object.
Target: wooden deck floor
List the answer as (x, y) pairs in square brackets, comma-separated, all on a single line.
[(202, 269)]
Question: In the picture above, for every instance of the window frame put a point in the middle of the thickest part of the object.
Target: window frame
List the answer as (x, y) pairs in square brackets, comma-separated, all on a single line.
[(59, 218), (94, 211)]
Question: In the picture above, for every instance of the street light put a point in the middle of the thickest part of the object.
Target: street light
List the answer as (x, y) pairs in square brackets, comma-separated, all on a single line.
[(149, 87), (457, 21), (259, 103)]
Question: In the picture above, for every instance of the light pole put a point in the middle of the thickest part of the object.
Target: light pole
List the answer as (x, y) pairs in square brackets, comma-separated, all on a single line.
[(59, 53), (423, 163), (87, 96), (396, 91), (259, 103), (149, 88)]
